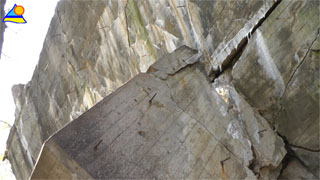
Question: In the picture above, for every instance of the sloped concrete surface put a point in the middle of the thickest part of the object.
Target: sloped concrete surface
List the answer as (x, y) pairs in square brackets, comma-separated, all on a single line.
[(168, 123)]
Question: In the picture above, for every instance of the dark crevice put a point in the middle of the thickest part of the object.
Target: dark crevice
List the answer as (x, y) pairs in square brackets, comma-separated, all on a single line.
[(300, 63), (266, 16), (231, 59), (304, 148), (254, 163), (229, 62), (236, 53), (291, 155)]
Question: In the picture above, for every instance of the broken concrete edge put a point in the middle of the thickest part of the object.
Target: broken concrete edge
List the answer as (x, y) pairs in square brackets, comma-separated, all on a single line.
[(222, 60), (46, 143), (68, 165), (50, 145), (39, 156), (160, 68)]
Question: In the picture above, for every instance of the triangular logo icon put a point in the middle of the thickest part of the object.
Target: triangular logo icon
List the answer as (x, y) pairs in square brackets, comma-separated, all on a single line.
[(15, 15)]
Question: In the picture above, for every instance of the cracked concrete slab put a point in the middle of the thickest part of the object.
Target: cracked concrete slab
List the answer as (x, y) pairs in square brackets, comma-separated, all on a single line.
[(173, 127)]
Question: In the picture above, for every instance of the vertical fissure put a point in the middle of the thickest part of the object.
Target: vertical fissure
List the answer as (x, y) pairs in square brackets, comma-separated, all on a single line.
[(236, 53)]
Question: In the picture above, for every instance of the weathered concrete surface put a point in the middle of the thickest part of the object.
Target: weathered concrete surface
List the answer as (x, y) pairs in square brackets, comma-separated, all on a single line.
[(94, 47), (278, 73), (167, 123)]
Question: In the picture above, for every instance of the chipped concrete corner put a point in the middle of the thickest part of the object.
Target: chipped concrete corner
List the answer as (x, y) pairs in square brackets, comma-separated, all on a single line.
[(239, 98)]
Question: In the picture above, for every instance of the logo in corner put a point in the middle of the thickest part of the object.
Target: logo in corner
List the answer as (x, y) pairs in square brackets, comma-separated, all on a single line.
[(15, 15)]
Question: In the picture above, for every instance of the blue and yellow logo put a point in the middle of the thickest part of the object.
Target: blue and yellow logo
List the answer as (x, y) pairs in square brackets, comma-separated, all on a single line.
[(15, 15)]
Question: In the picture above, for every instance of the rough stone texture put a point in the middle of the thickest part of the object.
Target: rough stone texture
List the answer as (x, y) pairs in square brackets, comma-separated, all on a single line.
[(295, 170), (214, 27), (2, 25), (278, 73), (173, 121), (168, 123), (94, 47)]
